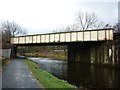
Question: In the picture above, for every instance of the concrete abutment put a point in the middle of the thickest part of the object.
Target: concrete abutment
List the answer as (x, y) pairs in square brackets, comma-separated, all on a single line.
[(94, 52)]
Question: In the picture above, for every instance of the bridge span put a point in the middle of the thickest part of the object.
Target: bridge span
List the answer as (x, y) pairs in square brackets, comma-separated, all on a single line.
[(89, 46), (62, 37)]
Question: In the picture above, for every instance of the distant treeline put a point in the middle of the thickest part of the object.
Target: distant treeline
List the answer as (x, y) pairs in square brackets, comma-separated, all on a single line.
[(33, 49)]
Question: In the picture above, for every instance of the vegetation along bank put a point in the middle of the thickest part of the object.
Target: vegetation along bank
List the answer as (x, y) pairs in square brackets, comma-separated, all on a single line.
[(45, 78)]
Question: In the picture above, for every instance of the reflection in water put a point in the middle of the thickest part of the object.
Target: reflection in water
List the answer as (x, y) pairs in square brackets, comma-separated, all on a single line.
[(56, 67), (92, 76), (84, 75)]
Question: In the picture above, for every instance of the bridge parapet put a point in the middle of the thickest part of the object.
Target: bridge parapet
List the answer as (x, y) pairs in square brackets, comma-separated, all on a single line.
[(61, 37)]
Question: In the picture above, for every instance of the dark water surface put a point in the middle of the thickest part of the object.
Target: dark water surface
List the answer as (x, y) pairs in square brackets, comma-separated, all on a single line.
[(81, 75)]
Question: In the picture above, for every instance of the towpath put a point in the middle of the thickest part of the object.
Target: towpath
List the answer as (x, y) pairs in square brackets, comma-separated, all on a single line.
[(18, 75)]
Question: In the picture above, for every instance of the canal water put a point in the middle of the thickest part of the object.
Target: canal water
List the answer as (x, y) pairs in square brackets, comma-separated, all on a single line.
[(81, 75)]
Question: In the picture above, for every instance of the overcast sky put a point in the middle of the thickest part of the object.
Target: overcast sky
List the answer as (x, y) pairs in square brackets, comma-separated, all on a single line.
[(44, 16)]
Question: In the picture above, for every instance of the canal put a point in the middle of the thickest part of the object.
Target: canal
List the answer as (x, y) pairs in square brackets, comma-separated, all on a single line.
[(81, 75)]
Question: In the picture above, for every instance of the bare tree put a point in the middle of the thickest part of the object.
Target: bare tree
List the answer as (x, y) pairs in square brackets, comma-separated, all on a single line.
[(117, 27), (12, 28), (85, 21), (73, 27), (102, 25), (68, 28)]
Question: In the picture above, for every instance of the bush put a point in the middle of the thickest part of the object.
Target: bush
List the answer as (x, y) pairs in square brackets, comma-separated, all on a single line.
[(4, 61)]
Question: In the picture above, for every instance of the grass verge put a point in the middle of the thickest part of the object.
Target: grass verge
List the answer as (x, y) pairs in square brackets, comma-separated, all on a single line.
[(46, 79)]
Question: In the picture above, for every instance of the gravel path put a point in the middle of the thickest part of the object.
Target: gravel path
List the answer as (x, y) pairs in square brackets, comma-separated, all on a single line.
[(18, 75)]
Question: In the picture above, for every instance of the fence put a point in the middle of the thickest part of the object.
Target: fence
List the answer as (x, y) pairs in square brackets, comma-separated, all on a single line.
[(5, 53)]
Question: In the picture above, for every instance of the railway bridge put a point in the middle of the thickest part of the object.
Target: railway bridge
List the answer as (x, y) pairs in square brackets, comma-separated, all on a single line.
[(89, 46)]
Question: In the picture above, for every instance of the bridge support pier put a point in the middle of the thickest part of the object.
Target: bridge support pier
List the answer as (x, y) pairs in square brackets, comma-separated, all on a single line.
[(78, 52), (94, 52), (14, 51), (85, 52)]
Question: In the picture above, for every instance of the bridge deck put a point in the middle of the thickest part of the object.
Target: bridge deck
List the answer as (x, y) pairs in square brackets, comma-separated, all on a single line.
[(75, 36)]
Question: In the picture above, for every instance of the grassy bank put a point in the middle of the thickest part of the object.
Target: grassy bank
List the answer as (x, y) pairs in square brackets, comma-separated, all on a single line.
[(57, 56), (45, 78), (3, 63)]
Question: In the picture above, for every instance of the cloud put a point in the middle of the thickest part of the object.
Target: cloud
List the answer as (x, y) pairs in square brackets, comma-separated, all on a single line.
[(96, 0), (47, 14), (36, 15), (116, 12)]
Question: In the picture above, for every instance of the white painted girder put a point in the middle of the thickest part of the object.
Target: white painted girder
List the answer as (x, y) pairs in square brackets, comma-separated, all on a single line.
[(76, 36)]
